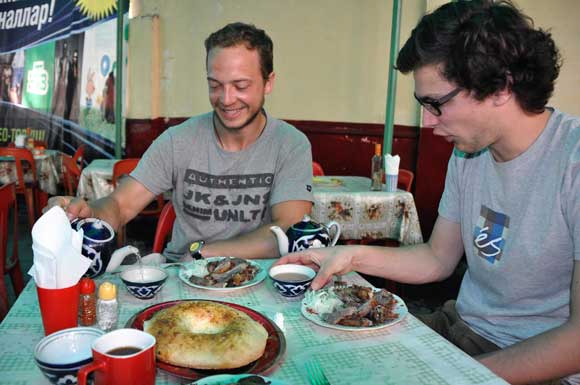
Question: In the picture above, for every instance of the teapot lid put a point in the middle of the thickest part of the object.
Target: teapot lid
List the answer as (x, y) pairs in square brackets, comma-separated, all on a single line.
[(95, 229), (306, 224)]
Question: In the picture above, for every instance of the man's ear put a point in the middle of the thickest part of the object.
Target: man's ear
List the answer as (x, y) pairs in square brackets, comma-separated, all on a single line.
[(504, 95), (269, 85)]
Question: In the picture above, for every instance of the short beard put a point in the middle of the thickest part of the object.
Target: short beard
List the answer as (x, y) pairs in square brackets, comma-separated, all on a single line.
[(246, 123)]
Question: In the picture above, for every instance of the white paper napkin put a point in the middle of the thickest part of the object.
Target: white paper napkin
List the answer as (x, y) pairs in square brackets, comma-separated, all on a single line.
[(57, 259), (392, 164)]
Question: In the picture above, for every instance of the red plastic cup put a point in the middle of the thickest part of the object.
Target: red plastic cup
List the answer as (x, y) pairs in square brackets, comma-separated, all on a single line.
[(59, 308), (122, 357)]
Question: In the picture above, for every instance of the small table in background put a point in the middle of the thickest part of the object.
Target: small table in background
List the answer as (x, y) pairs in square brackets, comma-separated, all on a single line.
[(96, 179), (48, 170), (366, 214)]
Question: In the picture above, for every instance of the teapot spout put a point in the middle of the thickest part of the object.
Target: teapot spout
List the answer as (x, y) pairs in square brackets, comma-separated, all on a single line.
[(119, 255), (282, 239)]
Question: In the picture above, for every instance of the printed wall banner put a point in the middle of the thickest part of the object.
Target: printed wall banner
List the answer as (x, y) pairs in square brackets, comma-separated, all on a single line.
[(57, 73), (38, 77), (67, 71), (97, 112), (26, 23)]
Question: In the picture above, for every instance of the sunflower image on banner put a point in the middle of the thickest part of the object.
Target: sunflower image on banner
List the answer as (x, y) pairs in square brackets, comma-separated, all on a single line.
[(97, 9)]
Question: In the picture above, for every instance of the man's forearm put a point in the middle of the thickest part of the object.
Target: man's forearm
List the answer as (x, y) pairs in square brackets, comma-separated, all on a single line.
[(550, 355), (415, 264), (257, 244)]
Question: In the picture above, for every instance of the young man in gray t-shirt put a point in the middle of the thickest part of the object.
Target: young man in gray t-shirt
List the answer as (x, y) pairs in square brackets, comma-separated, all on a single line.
[(233, 172), (483, 75)]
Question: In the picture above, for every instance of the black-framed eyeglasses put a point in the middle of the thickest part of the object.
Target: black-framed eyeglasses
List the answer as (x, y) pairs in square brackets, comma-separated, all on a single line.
[(434, 105)]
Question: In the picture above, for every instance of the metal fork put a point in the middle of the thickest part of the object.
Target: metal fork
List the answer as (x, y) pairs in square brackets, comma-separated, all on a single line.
[(315, 374), (339, 283)]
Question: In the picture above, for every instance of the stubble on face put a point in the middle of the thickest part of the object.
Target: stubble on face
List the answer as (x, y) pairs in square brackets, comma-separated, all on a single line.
[(248, 121)]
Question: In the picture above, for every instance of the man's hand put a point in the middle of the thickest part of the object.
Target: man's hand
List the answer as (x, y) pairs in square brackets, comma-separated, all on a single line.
[(329, 261), (74, 207)]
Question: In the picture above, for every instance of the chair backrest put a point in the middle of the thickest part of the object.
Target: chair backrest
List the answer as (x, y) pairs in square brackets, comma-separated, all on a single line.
[(71, 174), (164, 227), (78, 156), (40, 143), (7, 204), (405, 179), (317, 169), (123, 167), (20, 156)]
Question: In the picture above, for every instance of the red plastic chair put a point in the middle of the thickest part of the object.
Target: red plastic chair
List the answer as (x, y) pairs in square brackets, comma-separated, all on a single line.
[(317, 169), (9, 264), (78, 156), (121, 169), (71, 174), (40, 143), (405, 179), (164, 227), (28, 188)]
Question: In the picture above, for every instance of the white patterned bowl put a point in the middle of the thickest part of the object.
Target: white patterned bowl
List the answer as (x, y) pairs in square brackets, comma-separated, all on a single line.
[(144, 281), (60, 355), (291, 280)]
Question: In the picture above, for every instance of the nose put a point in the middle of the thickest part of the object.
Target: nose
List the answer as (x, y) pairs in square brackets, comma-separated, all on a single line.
[(429, 119), (227, 96)]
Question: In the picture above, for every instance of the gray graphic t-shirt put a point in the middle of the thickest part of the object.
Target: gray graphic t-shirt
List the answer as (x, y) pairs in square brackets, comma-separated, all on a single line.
[(520, 223), (219, 194)]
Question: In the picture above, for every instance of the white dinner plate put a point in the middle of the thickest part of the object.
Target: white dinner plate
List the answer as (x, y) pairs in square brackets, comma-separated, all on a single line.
[(400, 308), (223, 379), (260, 276)]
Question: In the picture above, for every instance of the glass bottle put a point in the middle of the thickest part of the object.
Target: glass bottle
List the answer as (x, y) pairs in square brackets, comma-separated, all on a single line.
[(88, 303), (377, 169), (29, 140), (107, 307)]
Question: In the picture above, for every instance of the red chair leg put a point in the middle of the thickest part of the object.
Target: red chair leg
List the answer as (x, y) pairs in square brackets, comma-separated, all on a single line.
[(42, 201), (30, 198)]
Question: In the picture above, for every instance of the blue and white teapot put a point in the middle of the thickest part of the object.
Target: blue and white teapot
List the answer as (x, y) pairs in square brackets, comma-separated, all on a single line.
[(305, 234), (99, 245)]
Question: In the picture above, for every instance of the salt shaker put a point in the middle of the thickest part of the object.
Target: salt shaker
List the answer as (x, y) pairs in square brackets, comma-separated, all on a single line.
[(107, 307), (88, 303)]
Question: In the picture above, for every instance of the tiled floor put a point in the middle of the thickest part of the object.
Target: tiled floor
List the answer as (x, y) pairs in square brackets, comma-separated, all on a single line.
[(140, 233)]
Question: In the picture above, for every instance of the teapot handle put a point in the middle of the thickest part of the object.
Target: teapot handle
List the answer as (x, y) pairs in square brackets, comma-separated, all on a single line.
[(330, 225)]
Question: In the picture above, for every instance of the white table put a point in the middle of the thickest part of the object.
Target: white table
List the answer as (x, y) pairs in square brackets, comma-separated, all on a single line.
[(365, 214), (48, 171), (96, 179), (405, 353)]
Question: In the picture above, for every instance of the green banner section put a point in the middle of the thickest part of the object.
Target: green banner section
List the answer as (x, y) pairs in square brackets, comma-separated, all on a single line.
[(39, 77)]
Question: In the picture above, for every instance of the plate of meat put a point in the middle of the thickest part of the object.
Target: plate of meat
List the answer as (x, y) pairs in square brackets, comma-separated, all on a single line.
[(353, 308), (222, 273), (240, 379)]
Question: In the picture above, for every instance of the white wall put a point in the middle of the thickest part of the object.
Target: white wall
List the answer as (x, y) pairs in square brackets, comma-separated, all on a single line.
[(330, 56)]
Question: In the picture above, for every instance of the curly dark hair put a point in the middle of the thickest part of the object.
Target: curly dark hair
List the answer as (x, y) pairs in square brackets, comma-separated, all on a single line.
[(238, 33), (483, 47)]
